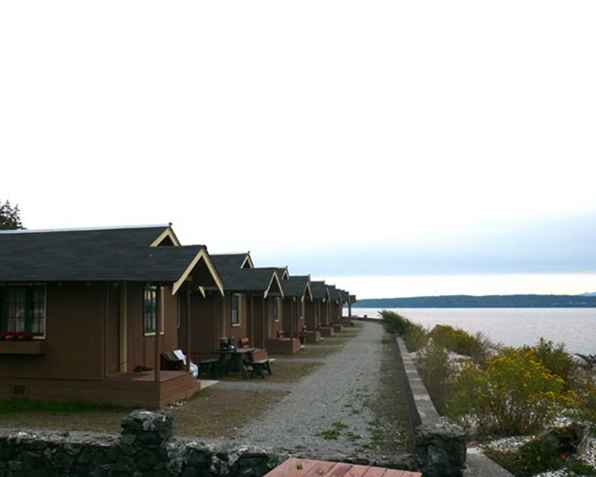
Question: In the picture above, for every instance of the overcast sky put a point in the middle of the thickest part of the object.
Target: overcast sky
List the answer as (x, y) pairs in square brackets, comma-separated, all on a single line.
[(397, 148)]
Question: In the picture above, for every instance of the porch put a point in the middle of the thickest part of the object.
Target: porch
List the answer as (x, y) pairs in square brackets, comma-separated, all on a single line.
[(141, 389)]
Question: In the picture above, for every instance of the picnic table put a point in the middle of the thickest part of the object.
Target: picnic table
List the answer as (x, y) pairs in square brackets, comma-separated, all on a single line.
[(318, 468), (246, 361)]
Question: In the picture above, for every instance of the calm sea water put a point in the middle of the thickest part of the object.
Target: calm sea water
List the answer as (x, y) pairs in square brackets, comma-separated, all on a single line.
[(576, 327)]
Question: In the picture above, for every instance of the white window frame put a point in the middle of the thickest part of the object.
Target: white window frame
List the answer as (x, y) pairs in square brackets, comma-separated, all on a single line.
[(238, 320)]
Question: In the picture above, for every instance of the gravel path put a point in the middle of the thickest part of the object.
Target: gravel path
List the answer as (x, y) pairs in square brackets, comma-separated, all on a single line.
[(327, 413)]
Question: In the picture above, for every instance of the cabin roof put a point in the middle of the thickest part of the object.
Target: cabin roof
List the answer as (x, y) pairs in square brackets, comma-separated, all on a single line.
[(251, 280), (18, 241), (230, 261), (234, 278), (296, 286), (281, 271), (319, 290), (97, 255)]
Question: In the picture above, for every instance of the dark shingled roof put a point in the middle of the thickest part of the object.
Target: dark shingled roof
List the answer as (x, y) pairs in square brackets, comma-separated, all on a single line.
[(279, 270), (241, 280), (333, 293), (319, 290), (229, 260), (92, 255), (295, 286)]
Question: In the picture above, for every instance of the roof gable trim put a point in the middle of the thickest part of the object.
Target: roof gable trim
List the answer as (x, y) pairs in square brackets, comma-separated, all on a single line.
[(167, 233), (202, 255)]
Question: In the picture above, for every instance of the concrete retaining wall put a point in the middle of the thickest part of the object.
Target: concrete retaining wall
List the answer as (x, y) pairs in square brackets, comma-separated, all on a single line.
[(440, 446)]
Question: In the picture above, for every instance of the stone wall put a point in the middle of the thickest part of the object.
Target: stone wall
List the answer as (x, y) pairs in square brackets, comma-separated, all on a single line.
[(440, 446), (146, 447)]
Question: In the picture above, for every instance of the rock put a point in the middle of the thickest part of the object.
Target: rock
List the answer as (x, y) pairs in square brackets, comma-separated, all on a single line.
[(441, 449)]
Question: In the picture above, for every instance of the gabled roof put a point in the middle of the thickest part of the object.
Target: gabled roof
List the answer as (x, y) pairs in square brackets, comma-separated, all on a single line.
[(236, 279), (87, 238), (297, 286), (282, 272), (333, 294), (319, 290), (231, 260), (252, 280), (98, 255)]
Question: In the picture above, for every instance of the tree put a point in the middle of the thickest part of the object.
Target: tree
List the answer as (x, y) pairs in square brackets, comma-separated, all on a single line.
[(10, 216)]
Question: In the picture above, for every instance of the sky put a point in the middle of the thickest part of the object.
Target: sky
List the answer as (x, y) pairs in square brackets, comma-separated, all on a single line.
[(394, 148)]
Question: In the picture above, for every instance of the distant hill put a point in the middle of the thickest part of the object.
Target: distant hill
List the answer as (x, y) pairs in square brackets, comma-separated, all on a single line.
[(487, 301)]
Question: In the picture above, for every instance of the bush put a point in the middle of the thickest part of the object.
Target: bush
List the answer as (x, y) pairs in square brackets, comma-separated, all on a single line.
[(513, 394), (551, 451), (556, 360), (436, 371), (414, 335), (460, 342), (394, 323)]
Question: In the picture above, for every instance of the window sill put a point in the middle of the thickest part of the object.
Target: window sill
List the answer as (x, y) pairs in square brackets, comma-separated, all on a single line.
[(161, 333), (235, 325)]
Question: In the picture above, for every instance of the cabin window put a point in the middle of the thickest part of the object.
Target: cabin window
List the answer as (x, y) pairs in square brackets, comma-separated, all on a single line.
[(275, 308), (23, 310), (150, 310), (236, 307)]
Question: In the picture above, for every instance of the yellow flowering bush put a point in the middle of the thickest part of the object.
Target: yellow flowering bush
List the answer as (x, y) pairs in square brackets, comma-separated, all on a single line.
[(513, 394)]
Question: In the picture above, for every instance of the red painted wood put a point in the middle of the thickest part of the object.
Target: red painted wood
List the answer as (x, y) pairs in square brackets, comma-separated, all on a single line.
[(315, 468)]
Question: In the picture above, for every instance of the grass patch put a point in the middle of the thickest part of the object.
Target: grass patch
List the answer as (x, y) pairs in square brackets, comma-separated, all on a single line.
[(283, 372), (335, 431), (212, 413), (16, 406)]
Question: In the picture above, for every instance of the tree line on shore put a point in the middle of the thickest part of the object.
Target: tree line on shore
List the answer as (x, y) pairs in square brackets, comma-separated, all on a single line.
[(486, 301)]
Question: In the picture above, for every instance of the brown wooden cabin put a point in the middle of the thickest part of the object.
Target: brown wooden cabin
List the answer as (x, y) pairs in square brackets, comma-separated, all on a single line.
[(86, 314), (297, 294), (243, 312), (316, 311)]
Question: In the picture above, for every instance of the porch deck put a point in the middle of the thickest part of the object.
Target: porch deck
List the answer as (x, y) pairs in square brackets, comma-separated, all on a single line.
[(148, 376), (141, 388)]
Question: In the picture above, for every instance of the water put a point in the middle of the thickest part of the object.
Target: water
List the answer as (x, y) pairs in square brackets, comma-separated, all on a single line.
[(576, 327)]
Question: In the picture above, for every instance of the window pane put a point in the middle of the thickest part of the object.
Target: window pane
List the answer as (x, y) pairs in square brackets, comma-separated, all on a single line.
[(16, 310), (149, 308), (38, 310)]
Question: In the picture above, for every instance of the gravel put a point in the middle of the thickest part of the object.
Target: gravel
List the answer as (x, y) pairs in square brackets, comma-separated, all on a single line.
[(327, 412)]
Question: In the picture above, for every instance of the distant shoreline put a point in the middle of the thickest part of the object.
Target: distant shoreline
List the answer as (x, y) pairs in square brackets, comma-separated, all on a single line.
[(475, 306), (488, 301)]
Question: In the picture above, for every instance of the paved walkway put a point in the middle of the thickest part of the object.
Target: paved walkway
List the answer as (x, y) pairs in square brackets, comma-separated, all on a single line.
[(327, 412)]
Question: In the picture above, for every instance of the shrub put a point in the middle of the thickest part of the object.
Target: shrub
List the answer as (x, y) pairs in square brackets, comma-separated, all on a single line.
[(460, 341), (436, 371), (551, 451), (414, 335), (513, 394), (394, 323), (556, 360)]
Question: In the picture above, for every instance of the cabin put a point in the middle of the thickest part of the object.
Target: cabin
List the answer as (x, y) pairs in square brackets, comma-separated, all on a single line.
[(297, 294), (244, 310), (86, 314), (317, 311)]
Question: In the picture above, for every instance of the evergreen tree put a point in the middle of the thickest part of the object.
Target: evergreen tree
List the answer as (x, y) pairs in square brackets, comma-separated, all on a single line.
[(10, 216)]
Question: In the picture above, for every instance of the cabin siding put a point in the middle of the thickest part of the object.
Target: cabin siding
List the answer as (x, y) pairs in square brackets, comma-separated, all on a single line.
[(141, 348), (74, 336)]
